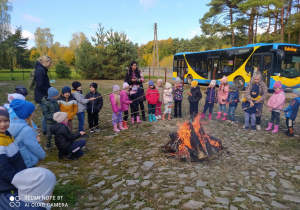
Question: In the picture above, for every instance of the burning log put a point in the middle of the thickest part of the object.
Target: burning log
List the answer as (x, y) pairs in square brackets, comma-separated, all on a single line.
[(192, 143)]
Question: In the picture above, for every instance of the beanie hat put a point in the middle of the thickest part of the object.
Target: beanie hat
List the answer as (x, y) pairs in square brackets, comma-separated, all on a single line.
[(125, 85), (224, 79), (159, 80), (232, 86), (297, 92), (115, 88), (135, 88), (38, 182), (52, 92), (22, 108), (21, 90), (277, 85), (151, 83), (59, 116), (213, 82), (4, 112), (168, 85), (75, 85), (94, 85), (194, 83), (177, 79), (255, 88), (66, 89), (13, 96)]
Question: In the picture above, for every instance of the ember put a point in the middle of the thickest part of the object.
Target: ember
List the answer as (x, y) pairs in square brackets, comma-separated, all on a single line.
[(192, 143)]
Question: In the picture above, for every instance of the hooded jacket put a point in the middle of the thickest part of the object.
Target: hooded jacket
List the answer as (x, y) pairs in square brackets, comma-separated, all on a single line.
[(223, 92), (292, 110), (96, 105), (42, 82), (124, 99), (152, 95), (196, 95), (277, 100), (137, 74), (49, 108), (211, 95), (68, 105), (178, 93), (114, 105), (233, 98), (251, 110), (81, 101), (133, 96)]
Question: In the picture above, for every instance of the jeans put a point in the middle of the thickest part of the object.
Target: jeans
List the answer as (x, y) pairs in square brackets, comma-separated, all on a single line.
[(151, 108), (247, 118), (76, 148), (49, 135), (80, 121), (222, 108), (44, 126), (275, 116), (209, 106), (177, 104), (231, 113)]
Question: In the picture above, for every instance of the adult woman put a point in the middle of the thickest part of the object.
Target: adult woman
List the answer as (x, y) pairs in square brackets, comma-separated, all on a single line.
[(135, 77), (263, 92)]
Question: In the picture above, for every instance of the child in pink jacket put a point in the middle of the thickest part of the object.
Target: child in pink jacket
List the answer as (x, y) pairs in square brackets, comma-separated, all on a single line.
[(116, 107), (125, 103), (275, 104), (222, 98)]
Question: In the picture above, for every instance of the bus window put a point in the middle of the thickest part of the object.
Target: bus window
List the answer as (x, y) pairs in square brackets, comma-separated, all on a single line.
[(290, 66), (209, 69), (239, 60), (192, 63), (226, 67), (201, 68)]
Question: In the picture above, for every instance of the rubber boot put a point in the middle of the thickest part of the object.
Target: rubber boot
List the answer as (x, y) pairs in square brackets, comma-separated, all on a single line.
[(121, 126), (290, 132), (269, 127), (132, 120), (125, 125), (219, 115), (153, 117), (150, 117), (163, 116), (209, 116), (276, 127), (169, 116), (224, 116), (202, 116), (138, 119), (116, 128)]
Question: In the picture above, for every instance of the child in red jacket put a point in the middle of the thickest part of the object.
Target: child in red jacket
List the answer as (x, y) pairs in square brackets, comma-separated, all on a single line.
[(152, 96)]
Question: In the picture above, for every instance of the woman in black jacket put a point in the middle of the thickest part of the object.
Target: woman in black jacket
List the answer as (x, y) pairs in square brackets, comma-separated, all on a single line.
[(135, 77)]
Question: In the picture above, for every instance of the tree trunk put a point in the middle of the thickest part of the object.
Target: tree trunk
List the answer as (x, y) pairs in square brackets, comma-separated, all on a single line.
[(232, 29), (255, 39), (275, 26), (250, 32), (282, 25)]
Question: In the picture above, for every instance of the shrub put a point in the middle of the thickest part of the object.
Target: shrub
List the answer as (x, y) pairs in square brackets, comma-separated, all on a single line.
[(63, 70)]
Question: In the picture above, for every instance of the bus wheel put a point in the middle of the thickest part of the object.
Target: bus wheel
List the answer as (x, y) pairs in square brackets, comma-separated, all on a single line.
[(189, 79), (240, 83)]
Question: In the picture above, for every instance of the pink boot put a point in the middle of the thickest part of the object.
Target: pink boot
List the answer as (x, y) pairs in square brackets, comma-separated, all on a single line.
[(275, 129), (132, 120), (219, 115), (121, 126), (224, 116), (209, 116), (202, 116), (116, 128), (138, 119), (269, 127)]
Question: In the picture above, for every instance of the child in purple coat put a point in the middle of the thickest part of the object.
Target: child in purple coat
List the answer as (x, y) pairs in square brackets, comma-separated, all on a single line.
[(178, 90), (116, 107)]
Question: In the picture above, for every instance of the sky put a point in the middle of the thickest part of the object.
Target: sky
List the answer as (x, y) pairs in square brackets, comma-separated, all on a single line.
[(175, 19)]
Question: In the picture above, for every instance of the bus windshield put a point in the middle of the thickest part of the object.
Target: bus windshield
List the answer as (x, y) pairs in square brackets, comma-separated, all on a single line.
[(290, 66)]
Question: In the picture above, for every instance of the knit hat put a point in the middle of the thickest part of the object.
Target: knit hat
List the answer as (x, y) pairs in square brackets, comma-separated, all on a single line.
[(59, 116), (159, 80), (75, 85), (125, 85), (232, 86), (277, 85), (297, 92), (66, 89), (177, 79), (151, 83), (4, 112), (94, 85), (194, 83), (134, 88), (22, 108), (38, 182), (52, 92), (115, 88), (13, 96), (255, 88), (168, 85), (21, 90), (224, 79), (213, 82)]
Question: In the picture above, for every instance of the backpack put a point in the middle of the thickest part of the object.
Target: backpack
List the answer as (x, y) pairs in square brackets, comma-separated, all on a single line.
[(32, 85)]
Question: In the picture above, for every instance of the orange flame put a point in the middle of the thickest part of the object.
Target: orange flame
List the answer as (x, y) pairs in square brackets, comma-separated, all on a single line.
[(197, 126), (184, 133)]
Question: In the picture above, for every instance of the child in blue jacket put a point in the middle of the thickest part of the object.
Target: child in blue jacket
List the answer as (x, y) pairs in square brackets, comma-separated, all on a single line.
[(233, 100), (291, 112)]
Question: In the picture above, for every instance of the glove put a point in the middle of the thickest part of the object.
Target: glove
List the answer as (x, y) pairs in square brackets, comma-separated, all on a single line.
[(236, 101)]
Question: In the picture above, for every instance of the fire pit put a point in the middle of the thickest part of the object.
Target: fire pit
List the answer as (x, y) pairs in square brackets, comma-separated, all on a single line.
[(191, 143)]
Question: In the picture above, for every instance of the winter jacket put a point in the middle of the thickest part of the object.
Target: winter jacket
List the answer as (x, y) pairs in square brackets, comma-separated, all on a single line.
[(178, 93), (152, 95), (25, 137), (11, 162), (196, 95), (161, 93), (68, 105), (167, 96), (233, 98), (96, 105), (114, 104), (81, 101), (223, 94), (292, 110), (49, 107), (263, 90), (137, 74), (252, 110), (133, 96), (211, 95), (277, 100), (63, 137), (42, 82), (124, 99)]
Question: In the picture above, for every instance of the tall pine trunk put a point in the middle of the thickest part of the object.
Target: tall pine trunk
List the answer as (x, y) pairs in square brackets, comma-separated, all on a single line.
[(282, 25), (232, 30), (255, 39), (250, 29), (268, 29)]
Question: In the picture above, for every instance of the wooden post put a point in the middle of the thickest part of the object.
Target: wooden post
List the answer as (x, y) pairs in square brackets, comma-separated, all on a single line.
[(149, 74), (165, 75)]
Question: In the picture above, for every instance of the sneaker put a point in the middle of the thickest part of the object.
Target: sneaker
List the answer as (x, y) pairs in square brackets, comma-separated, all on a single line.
[(228, 121), (60, 156), (92, 130), (258, 127), (246, 127), (253, 128), (97, 130), (232, 122), (70, 156), (48, 146)]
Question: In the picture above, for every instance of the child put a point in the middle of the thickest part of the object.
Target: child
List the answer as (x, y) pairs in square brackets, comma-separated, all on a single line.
[(275, 105), (210, 100), (10, 98), (124, 98), (24, 134), (134, 106), (160, 89), (251, 111), (178, 90), (94, 107), (168, 101), (81, 101), (222, 98), (11, 161), (67, 103), (116, 107), (50, 106), (152, 96), (194, 97), (291, 112), (64, 139), (21, 90), (233, 100)]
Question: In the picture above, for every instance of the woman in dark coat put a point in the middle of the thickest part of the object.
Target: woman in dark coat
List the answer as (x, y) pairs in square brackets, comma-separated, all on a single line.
[(135, 77)]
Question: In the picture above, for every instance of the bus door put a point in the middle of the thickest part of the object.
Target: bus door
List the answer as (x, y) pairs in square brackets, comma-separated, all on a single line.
[(180, 70), (212, 68), (262, 63)]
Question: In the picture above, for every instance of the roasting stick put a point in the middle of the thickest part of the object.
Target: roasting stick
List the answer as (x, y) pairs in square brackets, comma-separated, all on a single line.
[(112, 92)]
